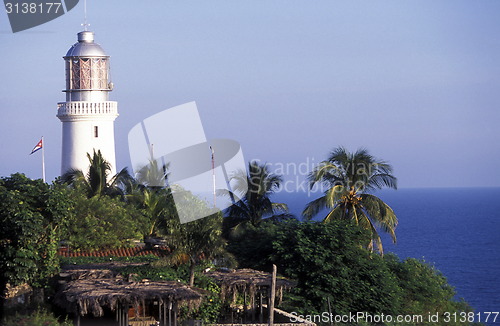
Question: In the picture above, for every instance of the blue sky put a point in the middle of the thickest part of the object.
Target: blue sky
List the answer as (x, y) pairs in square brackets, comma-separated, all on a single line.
[(415, 82)]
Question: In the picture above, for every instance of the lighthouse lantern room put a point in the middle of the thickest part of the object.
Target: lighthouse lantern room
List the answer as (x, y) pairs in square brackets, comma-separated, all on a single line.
[(87, 116)]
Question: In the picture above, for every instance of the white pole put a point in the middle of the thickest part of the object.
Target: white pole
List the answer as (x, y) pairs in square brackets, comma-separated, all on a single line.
[(152, 152), (85, 25), (213, 174), (43, 160), (273, 296)]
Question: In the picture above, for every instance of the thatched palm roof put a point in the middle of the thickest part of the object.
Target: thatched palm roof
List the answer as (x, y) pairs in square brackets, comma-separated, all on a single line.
[(247, 281), (85, 296)]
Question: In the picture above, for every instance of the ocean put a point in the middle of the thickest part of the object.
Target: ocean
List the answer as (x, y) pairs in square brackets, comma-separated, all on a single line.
[(455, 229)]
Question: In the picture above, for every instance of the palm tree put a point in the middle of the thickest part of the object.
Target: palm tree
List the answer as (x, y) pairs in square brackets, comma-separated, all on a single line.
[(156, 204), (349, 177), (153, 175), (255, 203), (196, 241), (96, 183), (150, 193)]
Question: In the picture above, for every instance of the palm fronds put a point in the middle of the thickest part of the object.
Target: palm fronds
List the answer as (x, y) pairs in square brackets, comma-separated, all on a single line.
[(254, 191), (348, 177), (97, 181)]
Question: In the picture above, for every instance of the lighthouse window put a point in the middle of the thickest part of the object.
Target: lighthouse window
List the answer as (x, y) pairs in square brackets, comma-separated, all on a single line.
[(96, 131)]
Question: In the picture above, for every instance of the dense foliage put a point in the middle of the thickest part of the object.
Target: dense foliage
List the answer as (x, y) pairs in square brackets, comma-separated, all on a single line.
[(197, 241), (32, 215), (251, 197), (103, 222), (333, 263), (348, 179), (96, 260), (37, 318), (97, 181), (328, 263)]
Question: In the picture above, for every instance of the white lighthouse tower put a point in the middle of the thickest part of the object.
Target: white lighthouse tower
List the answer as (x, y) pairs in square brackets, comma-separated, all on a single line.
[(87, 116)]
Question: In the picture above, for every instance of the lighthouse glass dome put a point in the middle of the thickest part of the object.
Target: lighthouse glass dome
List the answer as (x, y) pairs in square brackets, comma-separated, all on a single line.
[(87, 70)]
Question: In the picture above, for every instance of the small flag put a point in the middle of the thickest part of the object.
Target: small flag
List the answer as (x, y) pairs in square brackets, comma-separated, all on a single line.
[(38, 146)]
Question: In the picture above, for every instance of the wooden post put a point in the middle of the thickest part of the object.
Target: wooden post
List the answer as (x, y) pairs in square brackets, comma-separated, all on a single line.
[(126, 315), (330, 311), (245, 307), (159, 313), (175, 314), (170, 313), (164, 314), (252, 307), (272, 298), (77, 317), (261, 309)]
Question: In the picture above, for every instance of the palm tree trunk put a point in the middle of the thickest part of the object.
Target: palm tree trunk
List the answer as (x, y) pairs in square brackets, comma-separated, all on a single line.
[(191, 274)]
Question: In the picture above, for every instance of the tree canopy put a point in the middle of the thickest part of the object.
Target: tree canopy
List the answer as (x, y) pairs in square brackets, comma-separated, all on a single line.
[(97, 181), (328, 263), (197, 241), (32, 216), (348, 178), (252, 197)]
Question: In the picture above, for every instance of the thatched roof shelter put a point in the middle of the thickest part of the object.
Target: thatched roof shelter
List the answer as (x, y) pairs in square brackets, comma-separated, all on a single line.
[(94, 288), (85, 296), (247, 281)]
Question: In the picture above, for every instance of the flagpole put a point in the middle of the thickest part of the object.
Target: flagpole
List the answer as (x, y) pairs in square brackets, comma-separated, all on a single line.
[(43, 160), (213, 174)]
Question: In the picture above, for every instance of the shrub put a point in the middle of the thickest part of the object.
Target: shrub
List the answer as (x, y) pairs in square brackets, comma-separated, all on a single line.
[(38, 318)]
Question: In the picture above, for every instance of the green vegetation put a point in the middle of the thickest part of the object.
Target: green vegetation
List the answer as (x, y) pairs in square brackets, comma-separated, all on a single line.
[(195, 242), (331, 261), (97, 181), (328, 263), (32, 216), (37, 318), (157, 206), (107, 259), (251, 198), (348, 177), (102, 222)]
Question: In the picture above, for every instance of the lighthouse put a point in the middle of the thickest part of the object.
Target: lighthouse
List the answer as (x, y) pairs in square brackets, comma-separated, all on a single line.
[(87, 116)]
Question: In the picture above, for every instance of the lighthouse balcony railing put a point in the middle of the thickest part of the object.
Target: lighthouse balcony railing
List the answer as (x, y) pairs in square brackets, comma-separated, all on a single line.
[(84, 108)]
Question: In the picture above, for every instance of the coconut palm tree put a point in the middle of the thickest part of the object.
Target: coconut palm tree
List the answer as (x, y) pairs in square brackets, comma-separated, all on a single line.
[(97, 182), (156, 204), (149, 192), (348, 178), (254, 204), (197, 241), (153, 175)]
